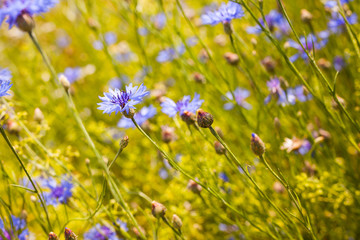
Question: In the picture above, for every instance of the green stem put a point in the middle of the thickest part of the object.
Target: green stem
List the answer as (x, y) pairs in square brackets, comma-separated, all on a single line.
[(28, 176)]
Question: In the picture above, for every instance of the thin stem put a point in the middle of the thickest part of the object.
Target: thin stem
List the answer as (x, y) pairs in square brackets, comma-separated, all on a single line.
[(3, 133)]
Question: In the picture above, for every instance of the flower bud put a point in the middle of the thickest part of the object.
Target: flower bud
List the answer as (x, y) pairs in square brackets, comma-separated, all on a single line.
[(194, 187), (168, 134), (93, 24), (64, 82), (87, 161), (257, 145), (324, 64), (269, 64), (231, 58), (306, 16), (129, 114), (157, 209), (199, 78), (188, 117), (52, 236), (204, 119), (219, 148), (25, 22), (278, 187), (124, 142), (176, 221), (228, 28), (38, 115), (70, 235)]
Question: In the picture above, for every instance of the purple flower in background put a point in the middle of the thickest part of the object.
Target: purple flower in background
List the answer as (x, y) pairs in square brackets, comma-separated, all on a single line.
[(115, 83), (240, 95), (119, 101), (337, 23), (63, 41), (5, 82), (305, 147), (170, 108), (72, 74), (275, 89), (333, 3), (140, 117), (159, 21), (297, 93), (166, 55), (163, 173), (12, 9), (98, 45), (59, 193), (122, 225), (143, 31), (339, 63), (223, 177), (191, 41), (110, 38), (310, 43), (296, 145), (276, 23), (100, 232), (17, 224), (224, 14)]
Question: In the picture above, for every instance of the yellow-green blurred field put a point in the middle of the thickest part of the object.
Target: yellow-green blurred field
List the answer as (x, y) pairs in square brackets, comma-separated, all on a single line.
[(299, 96)]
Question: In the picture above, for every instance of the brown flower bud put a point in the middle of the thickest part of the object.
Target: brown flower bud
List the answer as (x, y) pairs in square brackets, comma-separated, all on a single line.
[(124, 142), (188, 117), (70, 235), (219, 148), (269, 64), (64, 82), (168, 134), (157, 209), (199, 78), (306, 16), (257, 145), (129, 114), (231, 58), (52, 236), (204, 119), (25, 22), (176, 221), (194, 187), (228, 28)]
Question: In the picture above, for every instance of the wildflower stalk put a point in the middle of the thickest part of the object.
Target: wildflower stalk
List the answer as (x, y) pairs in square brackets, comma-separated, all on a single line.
[(114, 190), (293, 196), (178, 233), (262, 193), (36, 191), (208, 189)]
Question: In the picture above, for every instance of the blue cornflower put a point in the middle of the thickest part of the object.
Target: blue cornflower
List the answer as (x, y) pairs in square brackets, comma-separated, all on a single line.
[(337, 23), (59, 193), (110, 38), (5, 82), (310, 43), (169, 54), (98, 45), (240, 95), (297, 93), (72, 74), (63, 41), (223, 177), (305, 147), (333, 3), (115, 83), (122, 225), (275, 89), (276, 23), (301, 146), (339, 63), (163, 173), (100, 232), (159, 21), (120, 101), (224, 14), (140, 117), (143, 31), (19, 225), (170, 108), (12, 9)]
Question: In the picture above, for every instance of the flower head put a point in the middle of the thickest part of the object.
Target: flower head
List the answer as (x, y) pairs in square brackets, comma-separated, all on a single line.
[(5, 82), (240, 95), (276, 23), (59, 192), (275, 89), (101, 232), (224, 14), (310, 43), (13, 9), (170, 108), (297, 93), (337, 23), (140, 117), (120, 101)]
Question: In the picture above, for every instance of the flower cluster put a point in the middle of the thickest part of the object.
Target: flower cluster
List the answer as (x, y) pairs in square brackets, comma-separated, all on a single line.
[(224, 14), (101, 232), (170, 108), (13, 9), (58, 193), (5, 82), (276, 23), (18, 229)]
